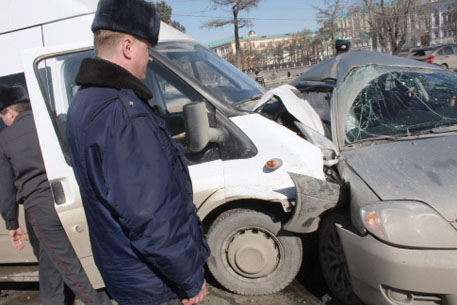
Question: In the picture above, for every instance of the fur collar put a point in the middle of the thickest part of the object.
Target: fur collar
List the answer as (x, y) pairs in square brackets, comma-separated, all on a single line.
[(98, 72)]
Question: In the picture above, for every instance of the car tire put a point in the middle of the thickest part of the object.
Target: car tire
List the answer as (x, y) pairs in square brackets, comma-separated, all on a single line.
[(445, 66), (333, 262), (250, 254)]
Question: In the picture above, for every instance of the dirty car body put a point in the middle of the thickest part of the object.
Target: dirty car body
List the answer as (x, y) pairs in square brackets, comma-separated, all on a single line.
[(393, 122)]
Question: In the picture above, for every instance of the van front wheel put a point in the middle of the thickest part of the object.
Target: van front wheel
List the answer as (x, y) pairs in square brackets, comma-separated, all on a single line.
[(250, 255)]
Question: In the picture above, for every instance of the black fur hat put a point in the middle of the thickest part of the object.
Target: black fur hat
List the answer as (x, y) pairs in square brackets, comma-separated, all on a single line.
[(342, 45), (10, 95), (135, 17)]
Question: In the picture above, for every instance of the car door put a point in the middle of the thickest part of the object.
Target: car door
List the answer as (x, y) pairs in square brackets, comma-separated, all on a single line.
[(453, 58), (50, 76)]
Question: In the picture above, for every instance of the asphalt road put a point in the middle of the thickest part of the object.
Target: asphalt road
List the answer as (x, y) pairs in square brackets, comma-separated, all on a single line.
[(308, 288), (295, 293)]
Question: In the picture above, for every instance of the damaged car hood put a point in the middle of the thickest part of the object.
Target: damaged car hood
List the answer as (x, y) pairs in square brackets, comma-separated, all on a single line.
[(295, 105), (422, 169)]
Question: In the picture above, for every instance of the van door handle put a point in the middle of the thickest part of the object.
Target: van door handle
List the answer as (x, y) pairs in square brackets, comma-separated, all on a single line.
[(58, 192)]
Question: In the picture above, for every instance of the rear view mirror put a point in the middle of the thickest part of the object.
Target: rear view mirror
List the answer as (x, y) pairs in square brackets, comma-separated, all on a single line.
[(198, 132)]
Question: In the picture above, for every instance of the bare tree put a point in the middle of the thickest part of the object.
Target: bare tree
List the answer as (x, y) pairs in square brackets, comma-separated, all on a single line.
[(165, 11), (327, 16), (389, 20), (237, 6)]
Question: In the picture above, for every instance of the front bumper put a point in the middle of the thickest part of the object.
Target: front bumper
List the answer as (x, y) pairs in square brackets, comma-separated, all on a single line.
[(314, 197), (384, 275)]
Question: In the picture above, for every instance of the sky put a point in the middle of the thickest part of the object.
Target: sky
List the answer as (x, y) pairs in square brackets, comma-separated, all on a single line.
[(269, 18)]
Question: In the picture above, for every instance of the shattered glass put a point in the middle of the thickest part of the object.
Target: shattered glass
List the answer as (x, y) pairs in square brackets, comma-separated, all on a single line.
[(384, 102)]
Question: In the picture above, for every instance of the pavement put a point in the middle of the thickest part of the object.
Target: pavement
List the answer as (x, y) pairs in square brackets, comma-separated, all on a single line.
[(295, 293)]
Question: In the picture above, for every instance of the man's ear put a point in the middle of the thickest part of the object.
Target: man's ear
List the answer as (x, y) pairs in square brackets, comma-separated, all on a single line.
[(126, 46)]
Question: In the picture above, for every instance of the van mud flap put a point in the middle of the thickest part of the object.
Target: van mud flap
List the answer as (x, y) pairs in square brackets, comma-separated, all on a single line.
[(314, 197)]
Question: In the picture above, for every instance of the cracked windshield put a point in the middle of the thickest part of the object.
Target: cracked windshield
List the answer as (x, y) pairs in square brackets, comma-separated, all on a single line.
[(396, 102)]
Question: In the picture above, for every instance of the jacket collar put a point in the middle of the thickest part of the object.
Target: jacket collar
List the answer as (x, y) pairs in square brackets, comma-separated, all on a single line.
[(97, 72)]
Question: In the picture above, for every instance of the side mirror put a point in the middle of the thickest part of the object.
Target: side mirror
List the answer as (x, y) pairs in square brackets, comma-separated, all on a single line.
[(198, 132)]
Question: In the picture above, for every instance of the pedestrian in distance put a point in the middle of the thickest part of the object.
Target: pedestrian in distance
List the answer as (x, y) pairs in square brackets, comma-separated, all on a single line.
[(23, 180), (146, 237), (342, 46)]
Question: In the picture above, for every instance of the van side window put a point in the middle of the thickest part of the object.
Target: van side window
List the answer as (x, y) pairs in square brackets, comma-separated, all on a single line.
[(57, 82), (170, 94)]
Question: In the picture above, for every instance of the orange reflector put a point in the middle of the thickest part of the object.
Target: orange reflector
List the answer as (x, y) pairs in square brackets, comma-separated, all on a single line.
[(374, 224), (273, 163), (372, 219)]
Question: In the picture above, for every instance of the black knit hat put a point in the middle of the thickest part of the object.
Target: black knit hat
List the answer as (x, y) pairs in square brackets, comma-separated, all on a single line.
[(136, 17), (10, 95), (342, 45)]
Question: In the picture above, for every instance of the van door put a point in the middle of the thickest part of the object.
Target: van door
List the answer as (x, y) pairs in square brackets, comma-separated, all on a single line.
[(50, 99)]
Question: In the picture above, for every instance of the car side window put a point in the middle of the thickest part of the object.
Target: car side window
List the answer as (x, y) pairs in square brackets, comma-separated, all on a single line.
[(447, 50)]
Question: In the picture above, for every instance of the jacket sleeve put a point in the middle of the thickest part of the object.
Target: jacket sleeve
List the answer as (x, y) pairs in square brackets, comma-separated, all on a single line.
[(141, 188), (8, 204)]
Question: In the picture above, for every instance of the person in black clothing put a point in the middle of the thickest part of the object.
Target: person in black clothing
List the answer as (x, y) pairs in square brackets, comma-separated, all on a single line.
[(23, 180), (342, 46)]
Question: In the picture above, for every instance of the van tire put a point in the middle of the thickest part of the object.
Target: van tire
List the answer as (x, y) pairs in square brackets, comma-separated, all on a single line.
[(250, 254), (332, 259)]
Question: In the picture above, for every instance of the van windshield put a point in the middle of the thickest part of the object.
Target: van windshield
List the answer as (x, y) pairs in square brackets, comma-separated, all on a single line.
[(212, 72)]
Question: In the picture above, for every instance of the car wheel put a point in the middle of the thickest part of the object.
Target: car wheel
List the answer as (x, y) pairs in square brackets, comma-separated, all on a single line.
[(333, 262), (445, 66), (250, 255)]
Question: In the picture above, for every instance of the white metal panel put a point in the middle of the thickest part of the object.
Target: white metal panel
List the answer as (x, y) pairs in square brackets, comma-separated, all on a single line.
[(207, 178), (68, 31), (20, 14), (12, 43), (272, 140)]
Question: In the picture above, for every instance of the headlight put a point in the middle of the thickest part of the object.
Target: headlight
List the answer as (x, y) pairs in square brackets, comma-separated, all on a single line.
[(408, 224)]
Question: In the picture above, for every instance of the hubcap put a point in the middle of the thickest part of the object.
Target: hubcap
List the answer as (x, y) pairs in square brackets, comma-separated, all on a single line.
[(253, 253)]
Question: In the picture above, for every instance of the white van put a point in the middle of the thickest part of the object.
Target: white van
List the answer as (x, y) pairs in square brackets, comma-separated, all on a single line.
[(257, 184)]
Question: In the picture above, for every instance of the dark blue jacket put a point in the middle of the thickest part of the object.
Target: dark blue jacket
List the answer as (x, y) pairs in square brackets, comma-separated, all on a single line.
[(146, 238)]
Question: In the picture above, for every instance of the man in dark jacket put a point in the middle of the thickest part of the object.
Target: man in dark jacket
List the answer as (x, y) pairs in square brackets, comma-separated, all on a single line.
[(23, 180), (146, 238)]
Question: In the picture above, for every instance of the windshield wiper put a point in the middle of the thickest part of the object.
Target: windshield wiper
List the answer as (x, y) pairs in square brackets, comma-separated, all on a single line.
[(382, 138), (406, 137), (444, 129)]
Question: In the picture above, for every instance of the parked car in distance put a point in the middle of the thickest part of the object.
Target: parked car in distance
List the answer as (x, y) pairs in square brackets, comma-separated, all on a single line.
[(444, 55), (392, 237)]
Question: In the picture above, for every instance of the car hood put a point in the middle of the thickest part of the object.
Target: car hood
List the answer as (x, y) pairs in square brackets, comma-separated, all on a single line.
[(422, 169), (296, 106)]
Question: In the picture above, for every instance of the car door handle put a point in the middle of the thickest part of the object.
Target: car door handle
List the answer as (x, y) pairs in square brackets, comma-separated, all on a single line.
[(58, 192)]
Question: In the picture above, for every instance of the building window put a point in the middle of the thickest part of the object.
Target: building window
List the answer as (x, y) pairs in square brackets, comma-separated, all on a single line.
[(270, 43), (437, 19), (262, 44)]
